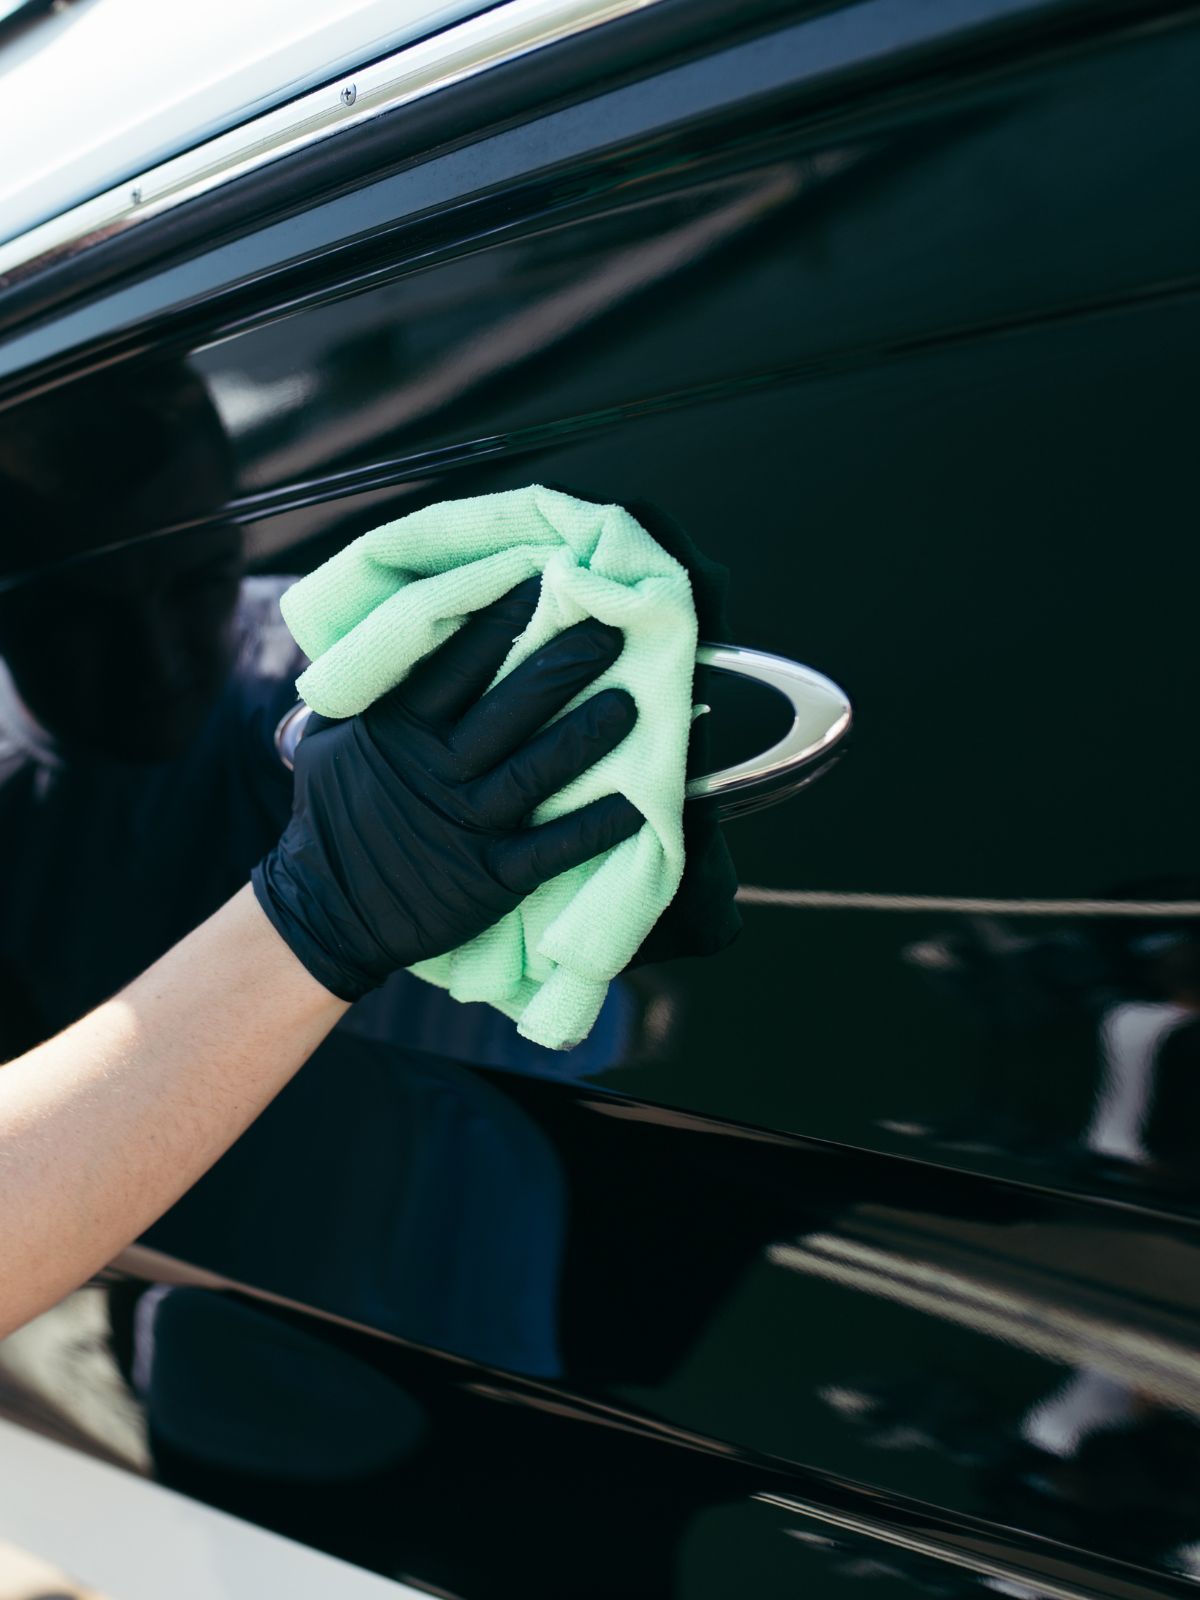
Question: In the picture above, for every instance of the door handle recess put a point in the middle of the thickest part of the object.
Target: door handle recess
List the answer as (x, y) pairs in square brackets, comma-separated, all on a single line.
[(821, 717)]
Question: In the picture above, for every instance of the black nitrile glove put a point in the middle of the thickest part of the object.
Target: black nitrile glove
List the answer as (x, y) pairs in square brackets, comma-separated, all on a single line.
[(406, 836)]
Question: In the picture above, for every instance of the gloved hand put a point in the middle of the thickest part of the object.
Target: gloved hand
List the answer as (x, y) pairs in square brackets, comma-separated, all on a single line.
[(406, 836)]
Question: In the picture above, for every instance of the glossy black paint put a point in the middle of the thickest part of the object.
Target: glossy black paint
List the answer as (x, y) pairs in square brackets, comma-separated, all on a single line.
[(828, 1261)]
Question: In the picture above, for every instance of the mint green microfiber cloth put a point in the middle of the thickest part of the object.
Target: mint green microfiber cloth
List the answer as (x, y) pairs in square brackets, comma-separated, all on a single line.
[(377, 607)]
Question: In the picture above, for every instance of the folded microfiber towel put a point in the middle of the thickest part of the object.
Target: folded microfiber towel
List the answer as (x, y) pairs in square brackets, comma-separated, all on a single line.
[(377, 607)]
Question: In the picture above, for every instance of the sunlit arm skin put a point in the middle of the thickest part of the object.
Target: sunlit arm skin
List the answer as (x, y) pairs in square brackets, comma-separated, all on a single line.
[(106, 1125)]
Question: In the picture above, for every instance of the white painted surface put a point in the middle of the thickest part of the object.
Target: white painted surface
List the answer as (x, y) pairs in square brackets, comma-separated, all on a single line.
[(105, 88), (136, 1541)]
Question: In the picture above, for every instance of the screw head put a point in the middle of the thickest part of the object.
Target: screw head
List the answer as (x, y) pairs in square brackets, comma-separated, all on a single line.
[(349, 95)]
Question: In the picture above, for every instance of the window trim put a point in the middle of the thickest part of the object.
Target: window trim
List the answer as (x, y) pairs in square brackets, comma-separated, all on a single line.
[(476, 45)]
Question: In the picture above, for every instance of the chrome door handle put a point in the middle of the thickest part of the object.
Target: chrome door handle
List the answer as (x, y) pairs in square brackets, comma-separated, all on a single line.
[(821, 718)]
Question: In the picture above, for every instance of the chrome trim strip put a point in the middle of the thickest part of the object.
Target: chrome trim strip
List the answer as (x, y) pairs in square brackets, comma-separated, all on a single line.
[(821, 718), (752, 894), (503, 34)]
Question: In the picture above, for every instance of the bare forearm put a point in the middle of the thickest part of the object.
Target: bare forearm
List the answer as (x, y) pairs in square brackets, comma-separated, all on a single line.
[(106, 1125)]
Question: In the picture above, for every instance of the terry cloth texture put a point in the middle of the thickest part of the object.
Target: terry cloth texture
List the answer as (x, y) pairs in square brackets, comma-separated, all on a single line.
[(389, 598)]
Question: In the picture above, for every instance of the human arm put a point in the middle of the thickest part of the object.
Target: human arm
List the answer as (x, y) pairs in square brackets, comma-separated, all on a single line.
[(107, 1124), (409, 837)]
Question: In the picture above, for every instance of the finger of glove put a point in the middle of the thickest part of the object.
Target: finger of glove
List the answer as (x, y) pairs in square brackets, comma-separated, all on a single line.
[(440, 688), (533, 693), (553, 759), (533, 856)]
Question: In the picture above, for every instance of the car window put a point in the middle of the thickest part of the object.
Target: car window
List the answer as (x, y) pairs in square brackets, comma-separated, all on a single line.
[(173, 76)]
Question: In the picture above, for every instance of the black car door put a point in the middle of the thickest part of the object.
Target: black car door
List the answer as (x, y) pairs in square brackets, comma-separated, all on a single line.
[(858, 1257)]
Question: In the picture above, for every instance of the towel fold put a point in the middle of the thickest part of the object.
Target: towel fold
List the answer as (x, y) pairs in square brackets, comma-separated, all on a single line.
[(372, 611)]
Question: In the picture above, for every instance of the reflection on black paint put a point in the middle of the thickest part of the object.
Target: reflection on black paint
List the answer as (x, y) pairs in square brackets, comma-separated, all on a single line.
[(920, 367), (1123, 993), (120, 655), (1090, 1450)]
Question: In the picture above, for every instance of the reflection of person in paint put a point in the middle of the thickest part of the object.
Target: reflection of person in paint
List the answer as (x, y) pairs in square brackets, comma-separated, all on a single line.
[(120, 655), (1134, 1036), (138, 690)]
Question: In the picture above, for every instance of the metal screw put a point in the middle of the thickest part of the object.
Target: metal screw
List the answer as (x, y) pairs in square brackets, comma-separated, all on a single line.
[(349, 95), (135, 194)]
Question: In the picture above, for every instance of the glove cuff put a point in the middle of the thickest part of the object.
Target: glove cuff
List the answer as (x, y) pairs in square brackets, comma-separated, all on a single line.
[(280, 897)]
